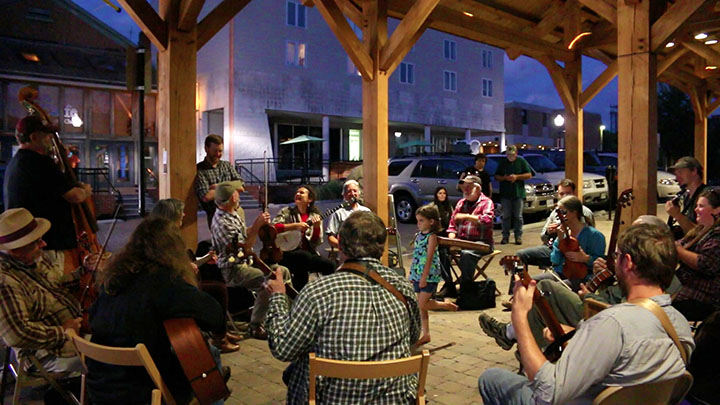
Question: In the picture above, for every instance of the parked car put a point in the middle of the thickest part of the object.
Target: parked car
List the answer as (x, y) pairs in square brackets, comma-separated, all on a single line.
[(591, 163), (595, 187), (667, 185), (413, 179)]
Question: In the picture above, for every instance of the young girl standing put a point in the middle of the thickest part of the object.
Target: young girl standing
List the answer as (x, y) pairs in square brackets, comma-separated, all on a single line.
[(425, 268)]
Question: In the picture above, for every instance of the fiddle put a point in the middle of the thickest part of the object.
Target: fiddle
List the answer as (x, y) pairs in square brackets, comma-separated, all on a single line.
[(572, 270), (267, 233)]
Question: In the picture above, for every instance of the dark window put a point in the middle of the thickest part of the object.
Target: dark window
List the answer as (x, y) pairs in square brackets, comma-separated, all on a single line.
[(426, 168), (524, 117), (396, 167), (450, 169), (544, 119)]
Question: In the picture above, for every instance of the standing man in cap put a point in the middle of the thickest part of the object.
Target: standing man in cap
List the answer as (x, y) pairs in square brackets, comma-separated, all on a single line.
[(211, 172), (33, 181), (472, 219), (689, 174), (512, 173), (227, 225), (35, 313)]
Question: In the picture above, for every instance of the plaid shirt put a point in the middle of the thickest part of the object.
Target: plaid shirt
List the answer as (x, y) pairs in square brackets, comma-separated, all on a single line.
[(484, 209), (703, 283), (33, 309), (345, 317), (225, 226), (208, 175)]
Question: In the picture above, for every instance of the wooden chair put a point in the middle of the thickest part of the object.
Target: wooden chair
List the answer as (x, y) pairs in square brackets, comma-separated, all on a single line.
[(592, 307), (657, 393), (122, 356), (38, 378), (480, 268), (371, 369)]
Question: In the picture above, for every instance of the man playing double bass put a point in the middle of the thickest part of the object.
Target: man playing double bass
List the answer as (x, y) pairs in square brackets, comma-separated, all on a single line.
[(33, 181)]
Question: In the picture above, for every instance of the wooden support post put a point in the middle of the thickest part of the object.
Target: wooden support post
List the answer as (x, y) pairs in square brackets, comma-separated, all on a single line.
[(699, 101), (637, 108), (574, 134), (176, 118)]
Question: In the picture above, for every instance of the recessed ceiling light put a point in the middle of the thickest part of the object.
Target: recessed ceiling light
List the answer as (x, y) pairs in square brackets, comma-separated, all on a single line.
[(710, 67), (468, 14), (670, 44), (701, 36), (711, 42)]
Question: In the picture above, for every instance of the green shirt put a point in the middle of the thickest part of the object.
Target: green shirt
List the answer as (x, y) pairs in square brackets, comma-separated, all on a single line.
[(516, 189)]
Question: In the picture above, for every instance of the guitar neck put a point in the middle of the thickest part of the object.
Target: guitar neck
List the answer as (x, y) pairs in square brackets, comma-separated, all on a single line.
[(544, 308)]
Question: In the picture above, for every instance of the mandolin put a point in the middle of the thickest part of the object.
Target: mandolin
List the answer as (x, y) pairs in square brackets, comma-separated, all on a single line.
[(514, 265), (607, 275)]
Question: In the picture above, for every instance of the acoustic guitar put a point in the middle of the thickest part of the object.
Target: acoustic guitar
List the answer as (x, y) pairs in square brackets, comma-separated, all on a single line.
[(192, 350), (514, 265), (291, 240), (572, 270)]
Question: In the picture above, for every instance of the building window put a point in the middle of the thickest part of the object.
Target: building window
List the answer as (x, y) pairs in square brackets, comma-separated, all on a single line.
[(351, 69), (487, 59), (407, 73), (449, 81), (544, 119), (487, 88), (450, 49), (523, 113), (295, 54), (295, 14)]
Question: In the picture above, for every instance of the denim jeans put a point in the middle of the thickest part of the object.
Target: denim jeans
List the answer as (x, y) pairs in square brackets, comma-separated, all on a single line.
[(468, 262), (503, 387), (536, 256), (512, 214)]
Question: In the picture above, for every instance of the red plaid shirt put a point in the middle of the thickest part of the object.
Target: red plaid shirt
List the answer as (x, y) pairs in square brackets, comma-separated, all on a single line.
[(484, 209)]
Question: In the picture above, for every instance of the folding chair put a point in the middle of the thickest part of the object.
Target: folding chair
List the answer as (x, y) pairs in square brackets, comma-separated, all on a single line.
[(24, 379), (371, 369), (122, 356), (480, 268), (656, 393)]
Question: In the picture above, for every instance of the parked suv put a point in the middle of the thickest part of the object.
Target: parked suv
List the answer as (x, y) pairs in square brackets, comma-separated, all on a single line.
[(667, 185), (413, 180), (595, 187)]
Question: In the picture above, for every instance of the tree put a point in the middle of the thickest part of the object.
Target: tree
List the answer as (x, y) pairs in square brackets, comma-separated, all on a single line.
[(675, 124)]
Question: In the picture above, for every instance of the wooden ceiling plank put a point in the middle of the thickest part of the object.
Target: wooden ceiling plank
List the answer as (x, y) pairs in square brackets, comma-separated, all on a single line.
[(667, 25), (189, 11), (558, 78), (401, 40), (551, 19), (148, 20), (671, 58), (598, 84), (355, 49), (352, 12), (216, 20), (603, 9)]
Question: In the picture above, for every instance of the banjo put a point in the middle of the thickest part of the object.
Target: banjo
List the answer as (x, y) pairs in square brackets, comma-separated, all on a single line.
[(291, 240)]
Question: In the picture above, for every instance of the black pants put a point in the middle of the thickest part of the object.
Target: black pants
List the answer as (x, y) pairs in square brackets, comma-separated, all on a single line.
[(300, 262), (693, 310)]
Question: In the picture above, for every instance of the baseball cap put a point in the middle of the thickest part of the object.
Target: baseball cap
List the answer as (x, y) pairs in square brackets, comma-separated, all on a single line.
[(686, 162), (31, 124), (472, 180)]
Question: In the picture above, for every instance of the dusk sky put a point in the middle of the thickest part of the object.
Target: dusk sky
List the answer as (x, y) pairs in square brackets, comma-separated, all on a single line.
[(526, 80)]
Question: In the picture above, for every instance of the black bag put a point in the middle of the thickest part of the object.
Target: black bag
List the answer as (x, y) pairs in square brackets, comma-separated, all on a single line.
[(476, 295)]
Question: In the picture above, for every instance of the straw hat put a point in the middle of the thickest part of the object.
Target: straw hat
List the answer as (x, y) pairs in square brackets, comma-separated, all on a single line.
[(18, 228)]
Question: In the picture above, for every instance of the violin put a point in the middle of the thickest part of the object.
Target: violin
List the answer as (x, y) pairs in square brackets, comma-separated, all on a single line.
[(571, 270), (270, 252)]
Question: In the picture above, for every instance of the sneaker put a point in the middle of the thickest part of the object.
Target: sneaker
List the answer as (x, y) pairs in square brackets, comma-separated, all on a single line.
[(504, 241), (495, 330), (518, 240)]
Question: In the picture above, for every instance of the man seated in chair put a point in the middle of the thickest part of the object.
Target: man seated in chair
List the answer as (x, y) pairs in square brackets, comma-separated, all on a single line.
[(472, 219), (345, 316), (623, 345), (35, 313)]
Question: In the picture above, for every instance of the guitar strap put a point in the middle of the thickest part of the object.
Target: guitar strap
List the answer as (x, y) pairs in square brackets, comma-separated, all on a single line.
[(653, 307), (373, 276)]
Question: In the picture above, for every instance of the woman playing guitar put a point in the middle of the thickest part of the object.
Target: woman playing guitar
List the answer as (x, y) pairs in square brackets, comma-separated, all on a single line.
[(302, 219)]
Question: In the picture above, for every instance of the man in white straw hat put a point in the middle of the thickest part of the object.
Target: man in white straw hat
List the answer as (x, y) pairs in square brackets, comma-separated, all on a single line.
[(35, 313)]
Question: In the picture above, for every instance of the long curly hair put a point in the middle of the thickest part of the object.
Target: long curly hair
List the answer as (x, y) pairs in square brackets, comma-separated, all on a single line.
[(155, 246)]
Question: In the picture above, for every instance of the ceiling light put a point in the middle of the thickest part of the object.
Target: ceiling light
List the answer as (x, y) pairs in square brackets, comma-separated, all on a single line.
[(77, 122), (468, 14), (577, 38), (711, 42), (398, 134), (710, 67), (30, 57), (670, 44), (701, 36)]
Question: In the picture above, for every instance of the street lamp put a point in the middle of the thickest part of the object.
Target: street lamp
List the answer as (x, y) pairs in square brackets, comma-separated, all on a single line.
[(602, 128), (559, 120)]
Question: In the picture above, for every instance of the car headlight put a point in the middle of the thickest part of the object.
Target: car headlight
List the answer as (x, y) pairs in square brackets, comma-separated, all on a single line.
[(668, 182), (587, 184), (529, 189)]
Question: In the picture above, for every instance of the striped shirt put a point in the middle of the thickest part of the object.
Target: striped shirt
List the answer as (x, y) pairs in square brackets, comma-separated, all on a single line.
[(346, 317), (208, 175), (32, 308)]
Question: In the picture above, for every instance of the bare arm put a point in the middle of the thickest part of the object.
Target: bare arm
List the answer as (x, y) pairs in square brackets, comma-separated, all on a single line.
[(531, 356), (689, 258), (76, 195)]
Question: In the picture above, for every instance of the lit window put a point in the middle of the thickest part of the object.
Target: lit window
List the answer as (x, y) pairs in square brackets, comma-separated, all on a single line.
[(295, 14), (487, 88), (295, 54), (449, 81), (407, 73), (449, 49)]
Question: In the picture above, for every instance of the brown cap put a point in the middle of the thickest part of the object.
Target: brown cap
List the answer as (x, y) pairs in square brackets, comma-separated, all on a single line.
[(686, 162), (472, 180), (31, 124)]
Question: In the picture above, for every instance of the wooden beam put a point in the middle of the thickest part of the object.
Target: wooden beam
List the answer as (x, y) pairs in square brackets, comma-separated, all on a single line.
[(189, 11), (603, 9), (667, 25), (558, 78), (713, 106), (698, 98), (401, 40), (513, 53), (600, 55), (335, 19), (551, 18), (712, 56), (216, 20), (148, 20), (574, 134), (670, 58), (598, 84), (352, 12)]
